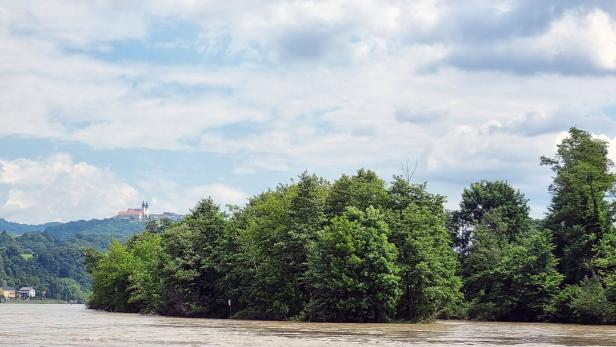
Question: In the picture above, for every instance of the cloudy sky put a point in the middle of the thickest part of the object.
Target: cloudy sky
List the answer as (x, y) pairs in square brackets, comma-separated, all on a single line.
[(107, 103)]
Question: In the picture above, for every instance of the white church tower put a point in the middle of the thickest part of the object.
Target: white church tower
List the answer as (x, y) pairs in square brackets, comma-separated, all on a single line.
[(145, 213)]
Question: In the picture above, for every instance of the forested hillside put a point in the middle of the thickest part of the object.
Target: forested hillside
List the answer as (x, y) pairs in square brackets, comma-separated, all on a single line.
[(38, 260), (95, 233), (18, 229), (52, 260), (363, 250)]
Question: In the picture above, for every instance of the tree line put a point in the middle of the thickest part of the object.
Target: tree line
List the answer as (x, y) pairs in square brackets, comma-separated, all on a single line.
[(363, 250)]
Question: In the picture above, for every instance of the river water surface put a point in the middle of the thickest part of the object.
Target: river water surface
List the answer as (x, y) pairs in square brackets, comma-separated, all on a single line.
[(74, 325)]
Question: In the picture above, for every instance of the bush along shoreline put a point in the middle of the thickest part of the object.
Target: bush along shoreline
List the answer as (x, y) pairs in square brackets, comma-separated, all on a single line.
[(362, 250)]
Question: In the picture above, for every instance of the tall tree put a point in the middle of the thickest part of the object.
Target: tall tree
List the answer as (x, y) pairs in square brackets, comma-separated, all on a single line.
[(481, 198), (191, 259), (428, 264), (352, 270), (260, 267), (306, 218), (579, 214)]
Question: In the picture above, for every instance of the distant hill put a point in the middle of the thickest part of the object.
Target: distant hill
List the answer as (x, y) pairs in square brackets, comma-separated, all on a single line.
[(49, 256), (96, 233), (18, 229), (108, 226), (35, 259)]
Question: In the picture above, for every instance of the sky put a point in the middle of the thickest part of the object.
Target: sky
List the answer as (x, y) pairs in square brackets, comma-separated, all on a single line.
[(104, 104)]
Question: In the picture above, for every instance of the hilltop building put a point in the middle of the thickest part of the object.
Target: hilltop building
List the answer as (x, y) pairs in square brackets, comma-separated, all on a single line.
[(135, 213), (143, 214)]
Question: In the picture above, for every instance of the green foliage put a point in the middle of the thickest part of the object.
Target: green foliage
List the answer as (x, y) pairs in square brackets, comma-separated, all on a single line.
[(591, 305), (520, 280), (306, 218), (362, 190), (260, 268), (428, 264), (485, 197), (96, 233), (190, 263), (145, 281), (19, 229), (508, 263), (352, 271), (49, 256), (358, 251), (605, 263), (579, 214), (111, 280), (45, 263), (263, 259)]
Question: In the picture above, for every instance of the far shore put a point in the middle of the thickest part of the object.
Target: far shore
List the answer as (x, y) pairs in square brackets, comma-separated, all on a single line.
[(35, 301)]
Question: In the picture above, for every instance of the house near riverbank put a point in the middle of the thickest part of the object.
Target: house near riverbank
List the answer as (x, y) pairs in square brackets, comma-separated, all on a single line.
[(8, 293), (26, 292)]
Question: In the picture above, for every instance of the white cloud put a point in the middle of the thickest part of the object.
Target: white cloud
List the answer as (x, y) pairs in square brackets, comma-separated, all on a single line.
[(583, 35), (58, 189), (576, 40), (330, 85)]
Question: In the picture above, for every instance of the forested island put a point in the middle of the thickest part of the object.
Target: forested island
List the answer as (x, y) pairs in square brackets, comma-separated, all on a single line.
[(363, 250)]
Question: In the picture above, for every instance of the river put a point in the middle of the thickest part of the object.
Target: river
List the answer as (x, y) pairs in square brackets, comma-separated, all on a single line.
[(74, 325)]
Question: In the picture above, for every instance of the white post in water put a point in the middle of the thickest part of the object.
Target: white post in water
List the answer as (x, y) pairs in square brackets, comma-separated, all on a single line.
[(229, 303)]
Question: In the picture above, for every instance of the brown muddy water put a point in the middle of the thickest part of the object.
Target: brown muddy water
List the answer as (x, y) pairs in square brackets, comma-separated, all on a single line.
[(74, 325)]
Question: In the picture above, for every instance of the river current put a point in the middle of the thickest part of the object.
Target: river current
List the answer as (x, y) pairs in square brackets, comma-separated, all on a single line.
[(74, 325)]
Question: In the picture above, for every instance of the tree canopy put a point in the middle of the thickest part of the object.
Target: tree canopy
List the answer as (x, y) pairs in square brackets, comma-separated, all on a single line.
[(363, 250)]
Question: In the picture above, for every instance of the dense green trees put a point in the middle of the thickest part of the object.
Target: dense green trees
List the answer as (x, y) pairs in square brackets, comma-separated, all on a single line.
[(581, 218), (352, 271), (111, 280), (508, 266), (560, 269), (190, 265), (428, 264), (494, 198), (361, 250), (305, 250), (580, 214), (512, 280)]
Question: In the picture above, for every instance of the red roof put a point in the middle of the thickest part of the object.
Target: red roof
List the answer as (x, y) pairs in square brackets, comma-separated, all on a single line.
[(130, 212)]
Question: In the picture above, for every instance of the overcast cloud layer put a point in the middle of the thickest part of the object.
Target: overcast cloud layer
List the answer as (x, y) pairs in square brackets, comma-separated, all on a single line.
[(107, 103)]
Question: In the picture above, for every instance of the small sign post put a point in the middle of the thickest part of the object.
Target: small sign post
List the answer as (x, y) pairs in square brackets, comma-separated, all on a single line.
[(229, 303)]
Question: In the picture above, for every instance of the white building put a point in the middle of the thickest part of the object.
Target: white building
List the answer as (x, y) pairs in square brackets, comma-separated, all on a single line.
[(26, 292)]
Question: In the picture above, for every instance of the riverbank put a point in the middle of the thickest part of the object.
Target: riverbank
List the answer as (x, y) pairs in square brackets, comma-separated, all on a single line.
[(35, 302)]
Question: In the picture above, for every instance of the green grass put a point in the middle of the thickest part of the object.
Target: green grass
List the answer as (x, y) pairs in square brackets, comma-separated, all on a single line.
[(26, 256)]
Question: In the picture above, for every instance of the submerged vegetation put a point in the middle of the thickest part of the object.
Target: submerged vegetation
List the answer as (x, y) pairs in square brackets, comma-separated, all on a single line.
[(361, 250)]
